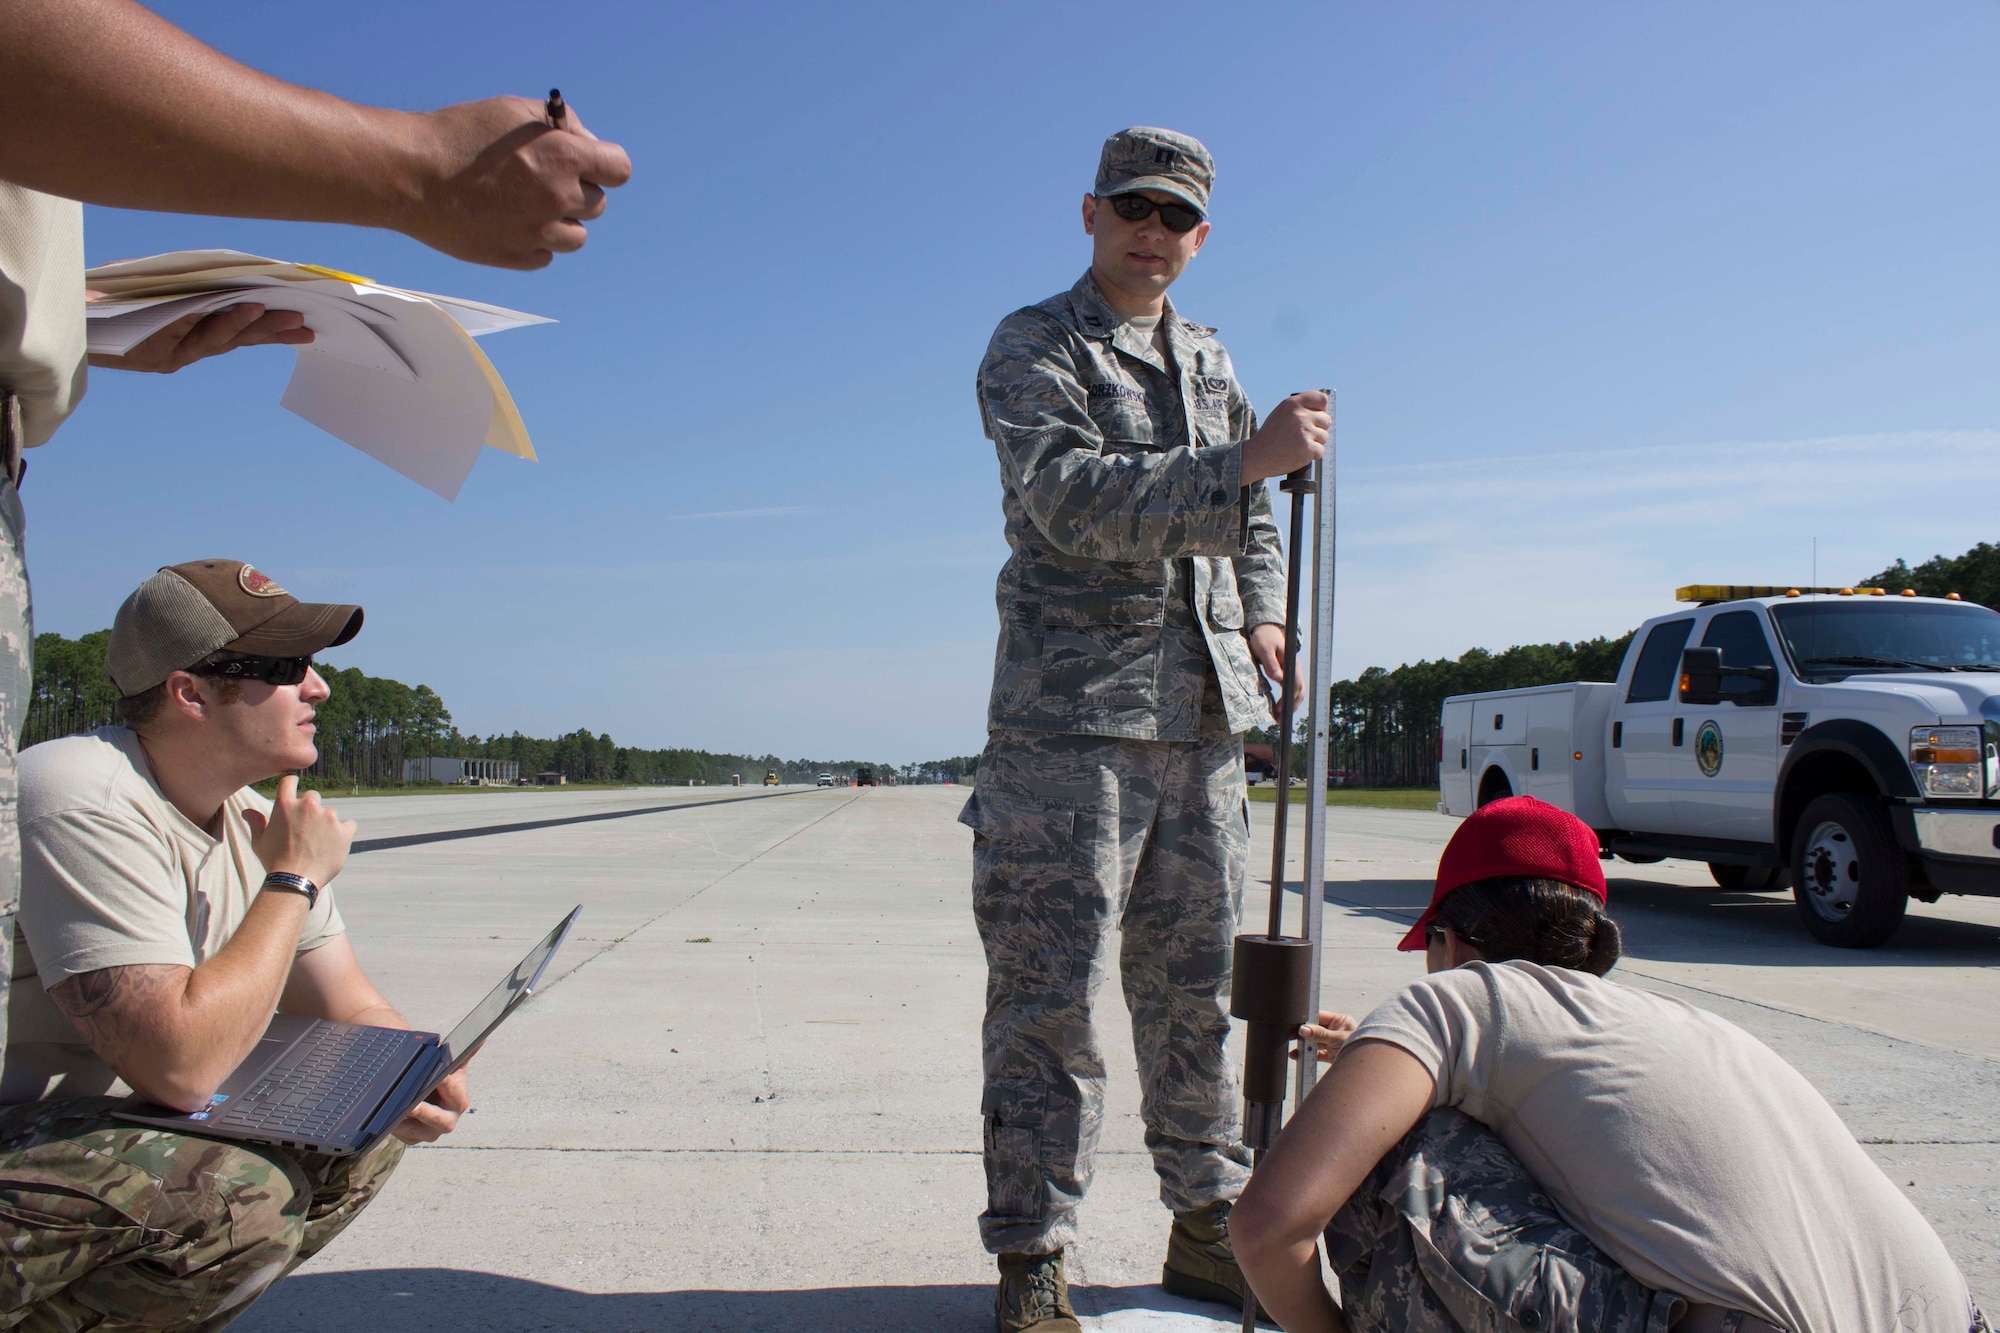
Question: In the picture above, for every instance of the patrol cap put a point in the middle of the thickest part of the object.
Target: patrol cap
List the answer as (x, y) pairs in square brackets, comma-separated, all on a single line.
[(1146, 158), (185, 612), (1515, 836)]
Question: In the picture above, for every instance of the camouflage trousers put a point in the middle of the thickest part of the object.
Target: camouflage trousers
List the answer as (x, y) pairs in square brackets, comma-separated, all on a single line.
[(1079, 840), (111, 1227), (17, 642), (1450, 1233)]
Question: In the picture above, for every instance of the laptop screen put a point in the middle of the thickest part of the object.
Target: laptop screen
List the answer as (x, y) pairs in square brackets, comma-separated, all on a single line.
[(520, 984)]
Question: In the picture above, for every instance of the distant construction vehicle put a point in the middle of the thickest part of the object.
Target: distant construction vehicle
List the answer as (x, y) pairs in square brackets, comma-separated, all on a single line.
[(864, 776)]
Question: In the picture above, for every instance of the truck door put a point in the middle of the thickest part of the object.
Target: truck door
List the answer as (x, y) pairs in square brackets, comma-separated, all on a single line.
[(1640, 790), (1455, 766), (1730, 772), (1499, 740), (1549, 774)]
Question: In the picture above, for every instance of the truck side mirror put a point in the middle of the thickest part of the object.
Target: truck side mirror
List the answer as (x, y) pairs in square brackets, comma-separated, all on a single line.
[(1701, 675)]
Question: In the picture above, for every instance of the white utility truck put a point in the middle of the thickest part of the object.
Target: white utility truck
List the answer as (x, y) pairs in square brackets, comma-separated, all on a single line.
[(1841, 737)]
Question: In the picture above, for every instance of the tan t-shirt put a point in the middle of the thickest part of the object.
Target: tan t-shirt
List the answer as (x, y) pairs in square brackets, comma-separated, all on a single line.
[(1696, 1158), (41, 306), (113, 874)]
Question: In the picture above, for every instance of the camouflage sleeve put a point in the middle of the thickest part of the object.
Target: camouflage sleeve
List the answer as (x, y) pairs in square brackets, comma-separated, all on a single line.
[(1087, 501), (1260, 569)]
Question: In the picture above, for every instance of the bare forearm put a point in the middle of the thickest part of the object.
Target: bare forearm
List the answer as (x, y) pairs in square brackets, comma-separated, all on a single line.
[(130, 111), (1290, 1287)]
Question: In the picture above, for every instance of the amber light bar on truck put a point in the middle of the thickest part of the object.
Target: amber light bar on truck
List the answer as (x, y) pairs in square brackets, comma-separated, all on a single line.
[(1730, 592)]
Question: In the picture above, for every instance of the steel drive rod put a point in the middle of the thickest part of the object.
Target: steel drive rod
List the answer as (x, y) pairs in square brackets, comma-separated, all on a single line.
[(1319, 715)]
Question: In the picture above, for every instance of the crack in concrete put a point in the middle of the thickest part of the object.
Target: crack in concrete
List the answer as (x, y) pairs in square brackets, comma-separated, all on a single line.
[(740, 865)]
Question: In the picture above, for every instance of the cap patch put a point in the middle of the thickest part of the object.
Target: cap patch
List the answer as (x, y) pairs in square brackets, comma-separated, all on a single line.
[(259, 584)]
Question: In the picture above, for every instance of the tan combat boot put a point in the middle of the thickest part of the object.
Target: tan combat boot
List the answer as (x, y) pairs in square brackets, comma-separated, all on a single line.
[(1200, 1263), (1033, 1295)]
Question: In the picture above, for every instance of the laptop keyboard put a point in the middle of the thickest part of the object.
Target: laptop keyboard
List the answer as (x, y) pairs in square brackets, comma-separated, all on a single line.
[(306, 1095)]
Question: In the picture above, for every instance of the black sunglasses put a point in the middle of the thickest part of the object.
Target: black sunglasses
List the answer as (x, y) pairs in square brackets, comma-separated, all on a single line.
[(1137, 208), (270, 670)]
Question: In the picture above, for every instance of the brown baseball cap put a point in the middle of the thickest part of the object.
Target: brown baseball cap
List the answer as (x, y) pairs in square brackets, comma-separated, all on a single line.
[(185, 612)]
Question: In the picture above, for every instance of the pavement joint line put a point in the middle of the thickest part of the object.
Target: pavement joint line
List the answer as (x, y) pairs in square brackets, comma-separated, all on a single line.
[(1626, 963), (1929, 1143), (1811, 1018), (751, 1152), (749, 861), (487, 830)]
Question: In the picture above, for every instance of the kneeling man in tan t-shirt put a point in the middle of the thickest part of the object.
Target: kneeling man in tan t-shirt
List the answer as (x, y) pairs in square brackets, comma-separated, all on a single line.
[(168, 911)]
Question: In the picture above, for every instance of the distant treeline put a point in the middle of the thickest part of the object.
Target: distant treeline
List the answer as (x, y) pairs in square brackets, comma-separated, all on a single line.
[(1385, 723), (1975, 576), (370, 724)]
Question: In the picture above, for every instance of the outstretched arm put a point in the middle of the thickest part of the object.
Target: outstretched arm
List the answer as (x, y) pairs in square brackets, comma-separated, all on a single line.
[(111, 104), (1370, 1099)]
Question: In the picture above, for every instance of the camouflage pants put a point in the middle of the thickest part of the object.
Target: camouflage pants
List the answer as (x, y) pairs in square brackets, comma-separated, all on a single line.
[(1449, 1233), (1079, 839), (111, 1227), (17, 641)]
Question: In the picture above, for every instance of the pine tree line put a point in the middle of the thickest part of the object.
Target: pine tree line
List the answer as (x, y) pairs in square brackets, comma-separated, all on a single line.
[(1384, 722), (369, 725)]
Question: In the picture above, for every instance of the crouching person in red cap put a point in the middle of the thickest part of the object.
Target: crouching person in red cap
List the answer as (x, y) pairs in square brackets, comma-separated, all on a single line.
[(1514, 1141)]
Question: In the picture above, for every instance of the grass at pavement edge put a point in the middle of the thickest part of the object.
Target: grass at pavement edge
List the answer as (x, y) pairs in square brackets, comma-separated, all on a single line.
[(1379, 798)]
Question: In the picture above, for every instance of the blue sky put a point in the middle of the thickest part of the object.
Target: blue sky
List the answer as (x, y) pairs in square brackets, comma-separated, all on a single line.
[(1615, 298)]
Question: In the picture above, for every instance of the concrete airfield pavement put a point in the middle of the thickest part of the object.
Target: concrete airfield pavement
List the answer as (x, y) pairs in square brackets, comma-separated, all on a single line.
[(749, 1099)]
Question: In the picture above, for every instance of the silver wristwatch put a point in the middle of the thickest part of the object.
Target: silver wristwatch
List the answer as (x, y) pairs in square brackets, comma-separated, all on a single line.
[(290, 883)]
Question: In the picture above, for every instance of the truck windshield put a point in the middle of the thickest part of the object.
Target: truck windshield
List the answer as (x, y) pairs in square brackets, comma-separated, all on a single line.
[(1832, 639)]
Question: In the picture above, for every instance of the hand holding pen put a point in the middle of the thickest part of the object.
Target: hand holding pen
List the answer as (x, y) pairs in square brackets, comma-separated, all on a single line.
[(513, 180)]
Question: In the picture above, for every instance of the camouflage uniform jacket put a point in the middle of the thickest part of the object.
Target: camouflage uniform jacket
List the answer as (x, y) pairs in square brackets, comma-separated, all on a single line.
[(1139, 559)]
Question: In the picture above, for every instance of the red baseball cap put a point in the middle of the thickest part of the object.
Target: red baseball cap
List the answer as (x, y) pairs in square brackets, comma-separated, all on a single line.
[(1516, 836)]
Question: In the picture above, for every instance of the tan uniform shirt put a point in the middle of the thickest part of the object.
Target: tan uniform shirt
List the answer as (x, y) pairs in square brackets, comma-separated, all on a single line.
[(1697, 1159), (41, 306), (113, 874)]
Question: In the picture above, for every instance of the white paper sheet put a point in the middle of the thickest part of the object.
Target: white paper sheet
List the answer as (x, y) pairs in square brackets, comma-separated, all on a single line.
[(430, 429), (394, 373)]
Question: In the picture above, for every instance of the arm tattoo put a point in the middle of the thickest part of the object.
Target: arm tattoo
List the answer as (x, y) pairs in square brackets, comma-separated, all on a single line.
[(116, 1005), (86, 993)]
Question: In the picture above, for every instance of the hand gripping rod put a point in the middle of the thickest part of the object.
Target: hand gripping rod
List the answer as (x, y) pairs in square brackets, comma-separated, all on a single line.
[(1275, 985)]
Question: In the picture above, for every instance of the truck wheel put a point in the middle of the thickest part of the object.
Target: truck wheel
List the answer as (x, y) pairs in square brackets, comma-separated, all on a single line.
[(1494, 787), (1748, 879), (1849, 879)]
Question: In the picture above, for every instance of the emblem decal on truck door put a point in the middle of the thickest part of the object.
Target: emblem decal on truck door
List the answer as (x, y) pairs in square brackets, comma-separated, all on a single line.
[(1708, 748)]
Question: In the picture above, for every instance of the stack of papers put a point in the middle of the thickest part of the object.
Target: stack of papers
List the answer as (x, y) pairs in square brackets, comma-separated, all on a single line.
[(394, 373)]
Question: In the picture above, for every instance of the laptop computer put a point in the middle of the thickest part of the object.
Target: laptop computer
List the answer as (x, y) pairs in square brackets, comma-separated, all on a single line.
[(337, 1088)]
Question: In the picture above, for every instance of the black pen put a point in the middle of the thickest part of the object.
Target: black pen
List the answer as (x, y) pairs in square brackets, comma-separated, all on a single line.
[(554, 109)]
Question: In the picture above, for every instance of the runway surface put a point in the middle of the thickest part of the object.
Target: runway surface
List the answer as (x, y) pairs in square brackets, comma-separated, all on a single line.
[(750, 1100)]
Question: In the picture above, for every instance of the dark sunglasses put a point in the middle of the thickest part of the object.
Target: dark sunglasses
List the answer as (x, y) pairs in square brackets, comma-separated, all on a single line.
[(1137, 208), (270, 670)]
